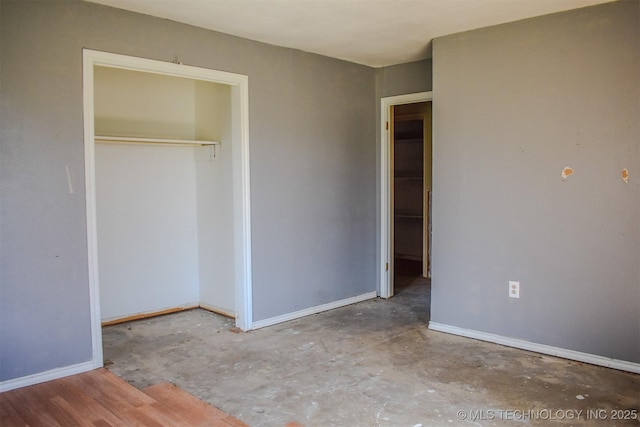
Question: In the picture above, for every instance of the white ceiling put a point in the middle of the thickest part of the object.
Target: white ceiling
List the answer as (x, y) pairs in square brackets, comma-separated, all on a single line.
[(370, 32)]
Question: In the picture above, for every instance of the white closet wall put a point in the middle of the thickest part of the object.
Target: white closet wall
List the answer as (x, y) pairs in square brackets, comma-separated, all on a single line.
[(164, 213), (147, 228), (215, 199), (133, 103)]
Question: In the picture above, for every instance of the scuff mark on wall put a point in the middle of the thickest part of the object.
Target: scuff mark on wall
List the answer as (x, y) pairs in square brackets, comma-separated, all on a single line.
[(69, 180), (566, 172), (625, 175)]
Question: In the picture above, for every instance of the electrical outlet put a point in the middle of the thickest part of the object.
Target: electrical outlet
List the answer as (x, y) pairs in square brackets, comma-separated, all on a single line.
[(514, 289)]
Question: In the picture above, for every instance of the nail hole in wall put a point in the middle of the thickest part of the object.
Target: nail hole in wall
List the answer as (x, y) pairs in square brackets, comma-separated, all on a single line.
[(625, 175), (566, 172)]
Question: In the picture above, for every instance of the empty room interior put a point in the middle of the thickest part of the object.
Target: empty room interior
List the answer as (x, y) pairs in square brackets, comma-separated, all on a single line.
[(320, 213)]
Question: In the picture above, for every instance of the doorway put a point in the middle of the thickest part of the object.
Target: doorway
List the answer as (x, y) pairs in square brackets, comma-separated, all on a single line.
[(203, 151), (405, 189), (410, 175)]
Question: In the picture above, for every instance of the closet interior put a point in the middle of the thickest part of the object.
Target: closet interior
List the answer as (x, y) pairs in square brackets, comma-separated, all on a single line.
[(164, 200), (411, 188)]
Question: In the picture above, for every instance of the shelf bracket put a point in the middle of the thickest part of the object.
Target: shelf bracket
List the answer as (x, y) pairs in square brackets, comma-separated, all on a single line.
[(214, 151)]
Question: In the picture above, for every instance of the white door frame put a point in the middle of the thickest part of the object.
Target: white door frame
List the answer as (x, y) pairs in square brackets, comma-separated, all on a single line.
[(241, 195), (386, 245)]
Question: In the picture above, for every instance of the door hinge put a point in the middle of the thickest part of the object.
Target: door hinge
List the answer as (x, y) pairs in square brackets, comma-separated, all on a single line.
[(387, 267), (387, 125)]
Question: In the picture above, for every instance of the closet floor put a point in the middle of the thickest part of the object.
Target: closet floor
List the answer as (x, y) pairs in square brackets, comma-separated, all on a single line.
[(373, 363)]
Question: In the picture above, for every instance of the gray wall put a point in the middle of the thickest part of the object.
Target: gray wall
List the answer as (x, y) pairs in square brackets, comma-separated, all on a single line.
[(313, 148), (403, 79), (513, 105)]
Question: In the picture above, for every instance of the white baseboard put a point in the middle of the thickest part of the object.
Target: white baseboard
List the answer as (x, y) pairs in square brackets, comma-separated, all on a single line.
[(313, 310), (538, 348), (41, 377)]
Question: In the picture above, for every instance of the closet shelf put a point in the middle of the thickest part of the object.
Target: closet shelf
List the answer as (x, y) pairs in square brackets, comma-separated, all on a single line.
[(409, 257), (408, 215), (411, 140), (164, 141)]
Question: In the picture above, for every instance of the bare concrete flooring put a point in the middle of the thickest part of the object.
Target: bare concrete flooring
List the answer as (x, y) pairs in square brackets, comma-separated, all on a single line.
[(369, 364)]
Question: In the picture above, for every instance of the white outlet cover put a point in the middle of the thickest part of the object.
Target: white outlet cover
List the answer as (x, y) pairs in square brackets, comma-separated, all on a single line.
[(514, 289)]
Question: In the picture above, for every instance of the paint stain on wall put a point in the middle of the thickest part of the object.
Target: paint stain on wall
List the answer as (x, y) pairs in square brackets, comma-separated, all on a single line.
[(625, 175), (566, 172)]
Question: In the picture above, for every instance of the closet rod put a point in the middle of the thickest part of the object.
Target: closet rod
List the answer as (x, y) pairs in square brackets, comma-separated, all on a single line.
[(100, 139)]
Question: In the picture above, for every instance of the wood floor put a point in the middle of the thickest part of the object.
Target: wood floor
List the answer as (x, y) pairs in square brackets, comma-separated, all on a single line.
[(101, 399)]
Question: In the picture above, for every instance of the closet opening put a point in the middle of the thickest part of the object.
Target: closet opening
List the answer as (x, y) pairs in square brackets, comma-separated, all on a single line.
[(166, 149), (410, 176)]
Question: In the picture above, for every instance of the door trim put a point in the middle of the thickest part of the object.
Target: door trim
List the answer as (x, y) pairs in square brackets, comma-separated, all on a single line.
[(385, 244), (241, 189)]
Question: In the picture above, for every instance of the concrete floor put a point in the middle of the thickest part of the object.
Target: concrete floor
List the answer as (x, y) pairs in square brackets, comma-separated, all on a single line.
[(369, 364)]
